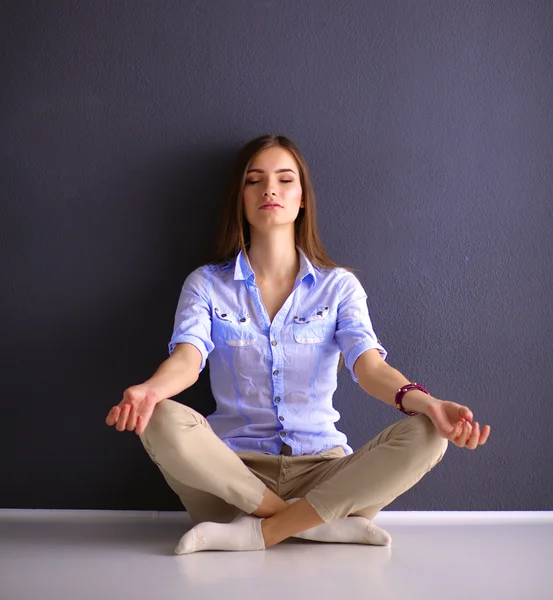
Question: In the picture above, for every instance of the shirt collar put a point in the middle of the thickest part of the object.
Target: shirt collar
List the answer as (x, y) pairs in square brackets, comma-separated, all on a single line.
[(243, 269)]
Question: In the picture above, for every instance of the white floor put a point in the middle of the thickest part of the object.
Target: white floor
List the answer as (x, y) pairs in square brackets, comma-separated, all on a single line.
[(100, 555)]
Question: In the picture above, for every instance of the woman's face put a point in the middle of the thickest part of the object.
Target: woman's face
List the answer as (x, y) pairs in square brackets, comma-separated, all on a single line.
[(273, 177)]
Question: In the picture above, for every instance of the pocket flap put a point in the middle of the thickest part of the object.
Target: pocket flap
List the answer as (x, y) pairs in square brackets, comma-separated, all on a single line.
[(241, 319), (318, 315), (313, 327)]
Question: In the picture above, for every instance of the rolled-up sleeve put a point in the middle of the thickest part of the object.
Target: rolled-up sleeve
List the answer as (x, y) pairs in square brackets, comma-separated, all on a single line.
[(193, 315), (354, 329)]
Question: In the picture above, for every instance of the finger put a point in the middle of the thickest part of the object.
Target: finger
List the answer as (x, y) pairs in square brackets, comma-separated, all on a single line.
[(455, 438), (468, 431), (141, 423), (466, 413), (122, 421), (144, 414), (472, 442), (462, 439), (485, 434), (457, 430), (113, 414), (131, 421)]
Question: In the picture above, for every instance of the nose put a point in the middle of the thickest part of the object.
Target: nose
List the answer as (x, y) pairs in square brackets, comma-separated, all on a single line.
[(269, 188)]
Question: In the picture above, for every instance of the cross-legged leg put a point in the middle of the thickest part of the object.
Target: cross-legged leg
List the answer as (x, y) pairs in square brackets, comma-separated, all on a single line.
[(373, 476), (211, 480), (180, 441), (364, 482)]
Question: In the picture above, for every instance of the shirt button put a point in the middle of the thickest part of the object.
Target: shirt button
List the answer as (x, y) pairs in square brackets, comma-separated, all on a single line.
[(277, 399), (281, 418), (275, 372), (283, 434), (274, 343)]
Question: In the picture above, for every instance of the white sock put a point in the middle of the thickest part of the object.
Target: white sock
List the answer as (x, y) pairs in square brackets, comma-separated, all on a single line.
[(244, 533), (350, 530)]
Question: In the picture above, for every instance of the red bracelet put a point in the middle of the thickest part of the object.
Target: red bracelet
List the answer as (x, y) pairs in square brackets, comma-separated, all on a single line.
[(403, 390)]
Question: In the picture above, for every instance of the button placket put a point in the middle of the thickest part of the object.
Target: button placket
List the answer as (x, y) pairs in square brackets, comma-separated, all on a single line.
[(274, 331), (276, 379), (258, 301)]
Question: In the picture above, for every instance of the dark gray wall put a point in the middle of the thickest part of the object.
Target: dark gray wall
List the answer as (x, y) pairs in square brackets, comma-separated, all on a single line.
[(427, 127)]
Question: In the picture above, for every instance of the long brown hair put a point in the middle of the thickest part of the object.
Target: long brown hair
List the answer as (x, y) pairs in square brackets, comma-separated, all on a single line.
[(234, 229)]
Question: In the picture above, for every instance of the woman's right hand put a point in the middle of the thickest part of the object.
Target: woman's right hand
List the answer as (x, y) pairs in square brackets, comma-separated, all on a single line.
[(135, 410)]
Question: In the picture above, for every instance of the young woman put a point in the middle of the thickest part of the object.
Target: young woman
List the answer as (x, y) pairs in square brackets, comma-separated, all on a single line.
[(276, 317)]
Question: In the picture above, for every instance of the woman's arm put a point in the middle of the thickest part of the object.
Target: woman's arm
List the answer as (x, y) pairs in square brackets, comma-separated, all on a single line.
[(382, 381), (452, 420), (178, 372)]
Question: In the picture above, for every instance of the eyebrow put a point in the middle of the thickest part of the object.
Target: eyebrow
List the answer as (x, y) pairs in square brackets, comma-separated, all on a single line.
[(277, 171)]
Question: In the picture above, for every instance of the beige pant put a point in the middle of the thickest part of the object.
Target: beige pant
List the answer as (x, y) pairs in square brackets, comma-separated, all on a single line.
[(216, 483)]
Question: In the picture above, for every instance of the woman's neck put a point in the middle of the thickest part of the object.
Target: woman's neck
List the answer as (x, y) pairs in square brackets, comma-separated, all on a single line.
[(274, 257)]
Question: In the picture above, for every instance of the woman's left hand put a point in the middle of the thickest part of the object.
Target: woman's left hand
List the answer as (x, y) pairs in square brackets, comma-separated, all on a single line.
[(454, 422)]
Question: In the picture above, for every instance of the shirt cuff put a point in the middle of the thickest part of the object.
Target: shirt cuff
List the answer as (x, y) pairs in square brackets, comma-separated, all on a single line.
[(356, 352), (190, 339)]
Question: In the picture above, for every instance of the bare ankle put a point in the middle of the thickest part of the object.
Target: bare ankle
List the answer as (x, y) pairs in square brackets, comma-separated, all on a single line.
[(297, 517), (270, 505)]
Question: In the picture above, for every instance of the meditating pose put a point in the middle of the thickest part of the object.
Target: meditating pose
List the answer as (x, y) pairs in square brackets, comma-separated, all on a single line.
[(277, 319)]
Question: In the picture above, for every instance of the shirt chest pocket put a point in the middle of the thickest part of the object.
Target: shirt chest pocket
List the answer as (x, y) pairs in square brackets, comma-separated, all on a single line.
[(314, 327), (232, 328)]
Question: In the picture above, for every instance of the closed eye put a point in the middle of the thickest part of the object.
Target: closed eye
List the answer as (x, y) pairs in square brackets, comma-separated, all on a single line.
[(281, 181)]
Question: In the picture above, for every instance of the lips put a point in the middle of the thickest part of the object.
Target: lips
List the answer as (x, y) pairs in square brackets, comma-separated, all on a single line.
[(268, 204)]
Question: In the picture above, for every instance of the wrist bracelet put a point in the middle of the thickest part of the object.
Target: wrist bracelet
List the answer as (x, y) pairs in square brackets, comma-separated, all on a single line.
[(402, 391)]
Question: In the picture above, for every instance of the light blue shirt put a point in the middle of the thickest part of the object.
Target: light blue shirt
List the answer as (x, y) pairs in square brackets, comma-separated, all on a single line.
[(274, 382)]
